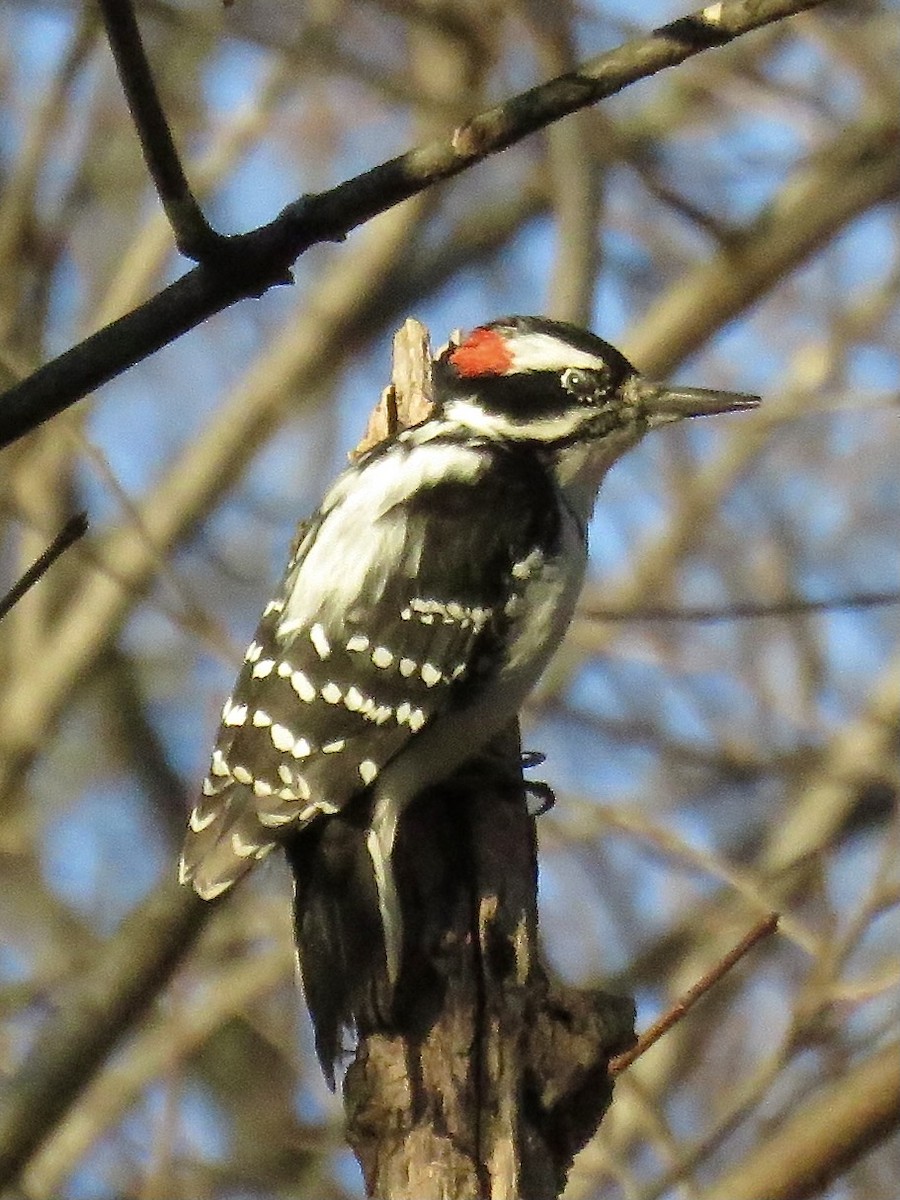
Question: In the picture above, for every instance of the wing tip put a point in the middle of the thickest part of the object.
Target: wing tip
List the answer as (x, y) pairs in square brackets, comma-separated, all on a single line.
[(215, 870), (207, 887)]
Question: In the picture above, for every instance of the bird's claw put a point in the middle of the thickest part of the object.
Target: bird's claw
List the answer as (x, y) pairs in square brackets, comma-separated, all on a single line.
[(531, 759), (543, 793)]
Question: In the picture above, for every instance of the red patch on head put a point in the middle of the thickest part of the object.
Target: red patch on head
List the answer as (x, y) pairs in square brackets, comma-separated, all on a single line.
[(484, 352)]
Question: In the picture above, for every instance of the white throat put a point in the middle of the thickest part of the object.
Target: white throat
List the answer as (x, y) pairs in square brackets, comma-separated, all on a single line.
[(581, 467)]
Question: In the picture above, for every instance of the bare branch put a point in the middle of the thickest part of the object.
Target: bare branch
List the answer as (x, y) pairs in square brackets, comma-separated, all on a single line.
[(861, 162), (747, 611), (496, 1078), (193, 235), (247, 265), (124, 978), (822, 1138), (75, 528), (763, 929)]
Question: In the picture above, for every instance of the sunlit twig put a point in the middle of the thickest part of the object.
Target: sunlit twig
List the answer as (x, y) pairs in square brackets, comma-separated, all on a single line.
[(763, 929)]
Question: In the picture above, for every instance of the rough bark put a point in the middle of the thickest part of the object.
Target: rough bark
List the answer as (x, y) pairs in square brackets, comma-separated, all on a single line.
[(494, 1077)]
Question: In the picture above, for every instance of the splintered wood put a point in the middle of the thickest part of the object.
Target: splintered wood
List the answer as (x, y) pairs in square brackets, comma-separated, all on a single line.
[(408, 399)]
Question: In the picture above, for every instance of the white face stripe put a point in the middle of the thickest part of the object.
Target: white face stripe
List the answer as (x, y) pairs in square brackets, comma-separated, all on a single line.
[(543, 352), (471, 416)]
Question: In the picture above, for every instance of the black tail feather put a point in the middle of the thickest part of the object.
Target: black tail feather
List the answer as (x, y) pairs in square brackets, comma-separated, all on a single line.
[(338, 932)]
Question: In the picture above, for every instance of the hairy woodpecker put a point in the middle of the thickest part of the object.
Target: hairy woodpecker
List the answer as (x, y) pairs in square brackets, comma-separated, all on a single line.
[(419, 609)]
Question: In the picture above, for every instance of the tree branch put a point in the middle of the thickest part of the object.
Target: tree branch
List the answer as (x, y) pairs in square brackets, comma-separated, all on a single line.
[(125, 977), (193, 235), (246, 265), (820, 1139), (745, 611), (75, 528), (494, 1077), (762, 929)]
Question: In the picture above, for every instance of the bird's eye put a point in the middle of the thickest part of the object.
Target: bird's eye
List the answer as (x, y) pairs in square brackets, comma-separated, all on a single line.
[(580, 384)]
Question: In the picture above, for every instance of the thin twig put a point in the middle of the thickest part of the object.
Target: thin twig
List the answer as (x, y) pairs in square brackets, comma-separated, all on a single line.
[(193, 235), (763, 929), (749, 611), (74, 528)]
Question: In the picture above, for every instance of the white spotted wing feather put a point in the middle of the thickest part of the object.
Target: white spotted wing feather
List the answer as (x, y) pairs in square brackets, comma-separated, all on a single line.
[(387, 618)]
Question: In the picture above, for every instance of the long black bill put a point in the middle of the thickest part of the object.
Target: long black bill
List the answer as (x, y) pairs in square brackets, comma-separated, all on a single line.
[(668, 402)]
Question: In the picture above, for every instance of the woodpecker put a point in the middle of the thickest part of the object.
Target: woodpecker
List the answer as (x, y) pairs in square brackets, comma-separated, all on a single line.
[(420, 607)]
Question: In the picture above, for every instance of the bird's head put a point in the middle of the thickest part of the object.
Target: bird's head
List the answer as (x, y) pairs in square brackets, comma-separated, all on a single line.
[(532, 379), (564, 391)]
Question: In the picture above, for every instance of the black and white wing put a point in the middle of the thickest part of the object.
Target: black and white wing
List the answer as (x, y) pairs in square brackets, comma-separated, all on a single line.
[(393, 610)]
